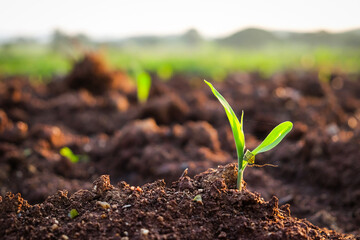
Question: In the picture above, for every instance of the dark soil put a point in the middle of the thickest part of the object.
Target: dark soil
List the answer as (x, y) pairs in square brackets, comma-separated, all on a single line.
[(206, 207), (94, 112)]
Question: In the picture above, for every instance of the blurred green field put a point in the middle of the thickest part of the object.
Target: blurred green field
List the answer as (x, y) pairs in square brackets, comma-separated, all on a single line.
[(210, 61)]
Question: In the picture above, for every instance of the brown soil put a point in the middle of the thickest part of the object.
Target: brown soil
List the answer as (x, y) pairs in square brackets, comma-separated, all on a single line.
[(94, 112), (206, 207), (93, 73)]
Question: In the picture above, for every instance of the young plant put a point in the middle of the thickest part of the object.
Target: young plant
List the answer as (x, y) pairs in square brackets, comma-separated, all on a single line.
[(273, 139), (66, 152), (143, 81), (74, 158), (143, 84), (73, 213)]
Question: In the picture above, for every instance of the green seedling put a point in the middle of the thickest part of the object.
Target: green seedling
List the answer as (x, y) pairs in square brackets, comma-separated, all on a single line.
[(198, 199), (73, 213), (74, 158), (273, 139), (143, 83), (66, 152)]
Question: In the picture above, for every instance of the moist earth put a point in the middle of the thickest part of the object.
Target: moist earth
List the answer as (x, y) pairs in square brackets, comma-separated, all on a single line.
[(206, 207), (93, 111)]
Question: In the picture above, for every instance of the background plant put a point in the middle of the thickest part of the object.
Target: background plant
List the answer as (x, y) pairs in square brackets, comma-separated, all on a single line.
[(143, 84), (143, 81), (40, 62), (273, 139), (74, 158)]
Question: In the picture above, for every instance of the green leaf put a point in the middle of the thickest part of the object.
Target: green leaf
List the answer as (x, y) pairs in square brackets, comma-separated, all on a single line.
[(198, 199), (73, 213), (66, 152), (236, 126), (143, 82), (274, 138)]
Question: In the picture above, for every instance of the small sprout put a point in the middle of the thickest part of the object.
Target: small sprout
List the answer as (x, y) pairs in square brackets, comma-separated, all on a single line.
[(74, 158), (66, 152), (273, 139), (143, 83), (73, 213), (198, 199)]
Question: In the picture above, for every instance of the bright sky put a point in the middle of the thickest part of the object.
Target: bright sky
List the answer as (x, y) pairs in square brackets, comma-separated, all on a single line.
[(121, 18)]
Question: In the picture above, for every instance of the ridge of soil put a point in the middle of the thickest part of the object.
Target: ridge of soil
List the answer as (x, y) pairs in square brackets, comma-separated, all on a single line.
[(155, 211)]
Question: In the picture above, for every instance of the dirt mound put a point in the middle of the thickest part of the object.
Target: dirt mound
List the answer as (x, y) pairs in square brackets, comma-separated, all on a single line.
[(205, 207), (93, 73)]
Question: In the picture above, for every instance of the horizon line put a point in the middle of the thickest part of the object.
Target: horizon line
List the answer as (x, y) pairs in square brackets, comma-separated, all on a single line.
[(43, 36)]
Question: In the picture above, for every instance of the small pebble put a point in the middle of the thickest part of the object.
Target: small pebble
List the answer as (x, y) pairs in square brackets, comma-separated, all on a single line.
[(144, 232), (64, 237), (54, 227), (32, 169), (104, 205)]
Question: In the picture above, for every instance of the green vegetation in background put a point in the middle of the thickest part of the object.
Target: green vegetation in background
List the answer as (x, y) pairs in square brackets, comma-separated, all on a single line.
[(40, 61), (216, 62), (35, 60)]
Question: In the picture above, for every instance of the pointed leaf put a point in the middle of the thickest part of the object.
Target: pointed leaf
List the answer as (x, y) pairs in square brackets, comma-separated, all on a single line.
[(236, 126), (274, 138)]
